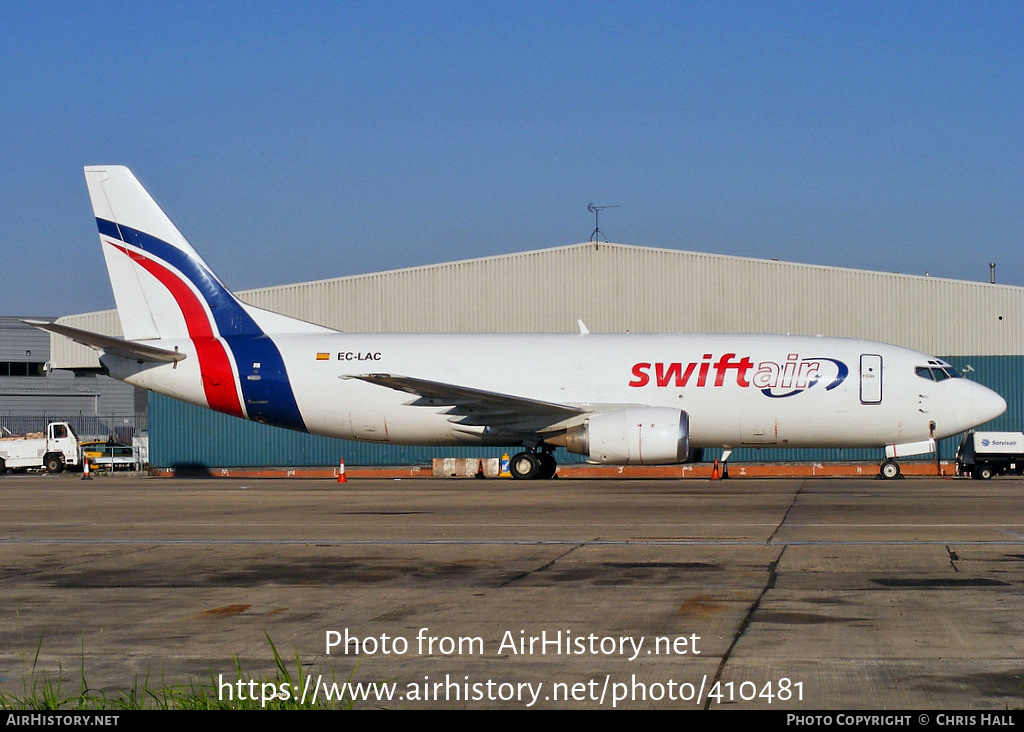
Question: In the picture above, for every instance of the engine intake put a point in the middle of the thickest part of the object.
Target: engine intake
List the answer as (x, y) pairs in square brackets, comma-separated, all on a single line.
[(634, 436)]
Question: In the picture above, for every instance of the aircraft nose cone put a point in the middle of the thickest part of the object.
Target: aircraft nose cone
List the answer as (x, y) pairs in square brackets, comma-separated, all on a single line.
[(986, 405)]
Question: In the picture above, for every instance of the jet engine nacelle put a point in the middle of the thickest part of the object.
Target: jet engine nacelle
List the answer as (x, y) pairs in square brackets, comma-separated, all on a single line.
[(635, 436)]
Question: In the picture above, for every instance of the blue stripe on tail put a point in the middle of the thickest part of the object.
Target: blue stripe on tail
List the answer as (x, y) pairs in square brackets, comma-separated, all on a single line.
[(266, 389)]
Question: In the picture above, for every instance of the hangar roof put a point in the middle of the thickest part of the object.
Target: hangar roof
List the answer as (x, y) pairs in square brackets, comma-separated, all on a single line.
[(618, 287)]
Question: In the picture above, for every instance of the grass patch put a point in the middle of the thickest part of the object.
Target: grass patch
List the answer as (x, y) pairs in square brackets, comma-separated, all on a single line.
[(281, 690)]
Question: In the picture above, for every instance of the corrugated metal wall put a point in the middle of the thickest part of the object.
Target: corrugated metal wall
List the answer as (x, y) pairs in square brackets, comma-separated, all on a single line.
[(185, 436), (616, 288), (20, 342)]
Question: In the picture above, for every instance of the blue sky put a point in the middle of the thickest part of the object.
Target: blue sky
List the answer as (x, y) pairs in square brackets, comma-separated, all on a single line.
[(306, 140)]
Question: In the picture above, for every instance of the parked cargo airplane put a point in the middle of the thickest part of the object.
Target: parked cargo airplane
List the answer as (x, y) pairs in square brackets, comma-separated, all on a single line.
[(620, 399)]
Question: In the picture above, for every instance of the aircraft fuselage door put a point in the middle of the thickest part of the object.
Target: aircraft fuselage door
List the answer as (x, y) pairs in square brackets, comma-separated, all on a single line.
[(870, 378), (758, 429)]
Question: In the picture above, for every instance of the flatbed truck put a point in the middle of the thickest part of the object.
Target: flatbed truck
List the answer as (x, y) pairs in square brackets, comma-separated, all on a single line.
[(52, 450)]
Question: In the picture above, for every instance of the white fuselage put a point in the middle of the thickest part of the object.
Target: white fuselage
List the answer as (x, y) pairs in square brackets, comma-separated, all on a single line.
[(737, 389), (642, 399)]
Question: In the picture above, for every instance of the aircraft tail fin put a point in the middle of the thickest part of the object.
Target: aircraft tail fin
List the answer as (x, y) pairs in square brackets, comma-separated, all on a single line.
[(163, 288), (166, 292)]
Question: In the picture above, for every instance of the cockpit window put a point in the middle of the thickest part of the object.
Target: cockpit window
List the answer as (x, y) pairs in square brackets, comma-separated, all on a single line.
[(936, 372)]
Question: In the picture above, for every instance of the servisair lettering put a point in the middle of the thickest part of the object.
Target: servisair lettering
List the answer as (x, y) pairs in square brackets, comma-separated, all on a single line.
[(774, 379)]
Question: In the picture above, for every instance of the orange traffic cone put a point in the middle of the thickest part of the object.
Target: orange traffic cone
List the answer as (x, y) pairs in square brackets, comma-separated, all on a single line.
[(480, 470), (85, 470), (714, 471), (341, 472)]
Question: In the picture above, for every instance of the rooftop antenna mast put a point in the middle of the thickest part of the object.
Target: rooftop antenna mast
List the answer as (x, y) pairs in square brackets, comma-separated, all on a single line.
[(596, 210)]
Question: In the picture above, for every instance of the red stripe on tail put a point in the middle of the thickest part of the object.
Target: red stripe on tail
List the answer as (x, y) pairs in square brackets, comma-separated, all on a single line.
[(214, 366)]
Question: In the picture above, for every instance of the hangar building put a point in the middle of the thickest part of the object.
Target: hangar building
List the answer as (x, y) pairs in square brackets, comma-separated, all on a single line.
[(976, 326), (32, 393)]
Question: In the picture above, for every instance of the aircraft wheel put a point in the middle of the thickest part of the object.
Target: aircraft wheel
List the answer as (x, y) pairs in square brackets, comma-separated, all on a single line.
[(889, 470), (54, 464), (525, 466)]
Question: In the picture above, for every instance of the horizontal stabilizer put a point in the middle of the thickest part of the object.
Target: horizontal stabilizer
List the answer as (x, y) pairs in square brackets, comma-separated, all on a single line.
[(110, 344)]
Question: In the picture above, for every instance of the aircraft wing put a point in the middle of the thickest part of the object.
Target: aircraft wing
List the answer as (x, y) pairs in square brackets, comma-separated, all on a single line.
[(471, 406), (110, 344)]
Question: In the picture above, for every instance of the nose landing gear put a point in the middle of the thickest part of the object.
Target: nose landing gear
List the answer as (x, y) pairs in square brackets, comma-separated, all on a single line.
[(889, 470)]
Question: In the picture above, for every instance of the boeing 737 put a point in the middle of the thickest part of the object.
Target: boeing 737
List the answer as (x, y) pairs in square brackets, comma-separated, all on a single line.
[(625, 399)]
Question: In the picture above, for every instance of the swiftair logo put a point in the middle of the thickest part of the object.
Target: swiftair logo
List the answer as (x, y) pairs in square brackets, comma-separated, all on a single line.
[(774, 379)]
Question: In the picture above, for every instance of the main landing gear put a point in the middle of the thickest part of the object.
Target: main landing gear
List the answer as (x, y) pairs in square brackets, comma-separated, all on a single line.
[(533, 464)]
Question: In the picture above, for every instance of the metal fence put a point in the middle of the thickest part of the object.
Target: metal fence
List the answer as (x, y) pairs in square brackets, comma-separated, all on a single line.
[(115, 428)]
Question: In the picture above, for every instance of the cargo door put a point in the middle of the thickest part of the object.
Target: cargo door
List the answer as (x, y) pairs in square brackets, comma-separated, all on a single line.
[(758, 429), (870, 378), (368, 425)]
